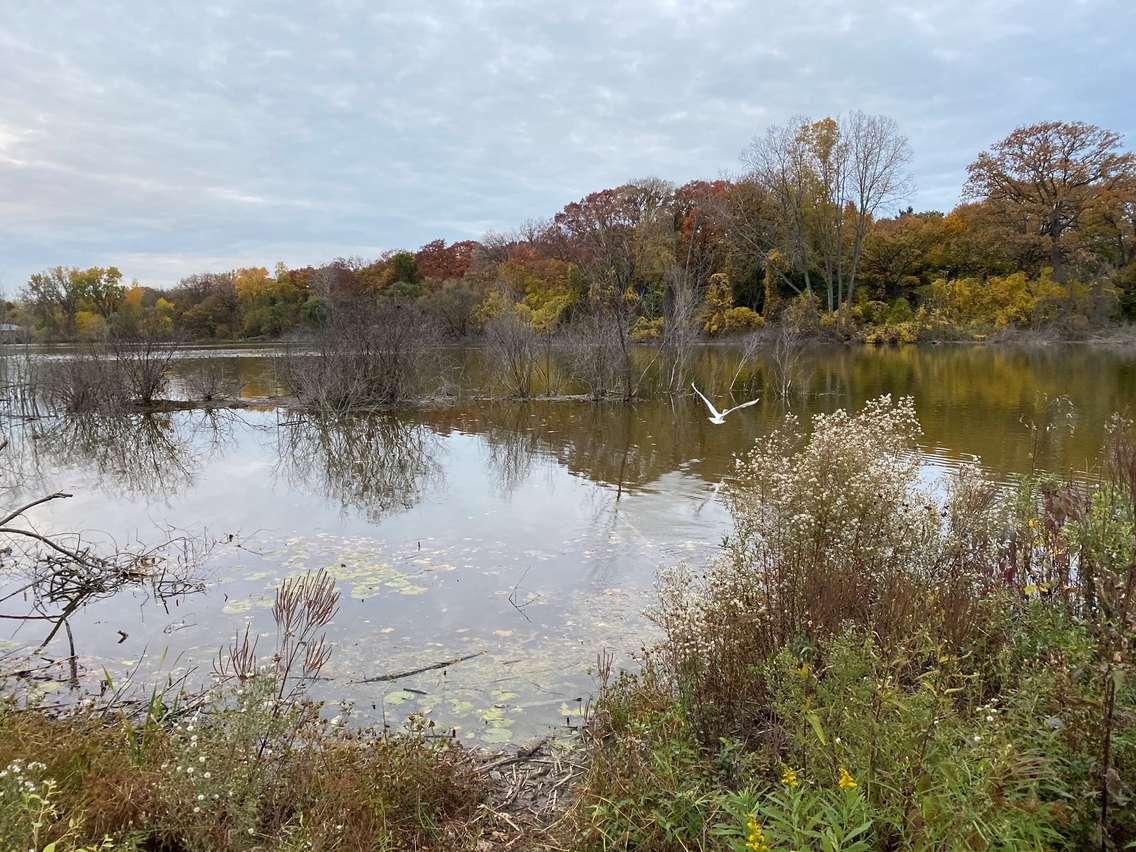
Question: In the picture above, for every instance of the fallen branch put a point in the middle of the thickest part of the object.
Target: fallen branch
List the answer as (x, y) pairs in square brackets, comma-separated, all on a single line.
[(430, 668), (521, 756)]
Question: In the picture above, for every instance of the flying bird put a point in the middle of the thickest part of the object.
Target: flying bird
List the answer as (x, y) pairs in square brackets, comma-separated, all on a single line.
[(719, 417)]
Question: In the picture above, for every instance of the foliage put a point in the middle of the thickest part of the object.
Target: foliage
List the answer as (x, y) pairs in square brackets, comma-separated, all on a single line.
[(807, 221), (1018, 301), (257, 766), (721, 316), (869, 665)]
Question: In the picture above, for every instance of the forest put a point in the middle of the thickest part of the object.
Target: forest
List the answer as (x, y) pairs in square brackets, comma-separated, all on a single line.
[(812, 235)]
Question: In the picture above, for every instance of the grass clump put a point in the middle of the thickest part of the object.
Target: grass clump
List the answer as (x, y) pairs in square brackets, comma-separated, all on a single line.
[(873, 665)]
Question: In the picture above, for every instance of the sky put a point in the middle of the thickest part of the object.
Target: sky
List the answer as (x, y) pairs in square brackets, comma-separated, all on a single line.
[(172, 138)]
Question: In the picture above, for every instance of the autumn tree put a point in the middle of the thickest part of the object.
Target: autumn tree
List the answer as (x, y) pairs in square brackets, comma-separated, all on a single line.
[(780, 162), (830, 178), (59, 298), (100, 289), (615, 237), (437, 261), (878, 160), (1046, 176)]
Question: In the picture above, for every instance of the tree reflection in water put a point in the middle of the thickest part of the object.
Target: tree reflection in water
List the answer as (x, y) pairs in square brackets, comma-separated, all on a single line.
[(150, 454), (47, 577), (377, 463)]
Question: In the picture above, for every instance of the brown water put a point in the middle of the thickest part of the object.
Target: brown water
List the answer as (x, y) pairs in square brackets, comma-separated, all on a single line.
[(529, 532)]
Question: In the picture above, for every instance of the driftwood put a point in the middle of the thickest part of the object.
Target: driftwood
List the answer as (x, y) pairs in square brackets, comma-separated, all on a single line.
[(430, 668)]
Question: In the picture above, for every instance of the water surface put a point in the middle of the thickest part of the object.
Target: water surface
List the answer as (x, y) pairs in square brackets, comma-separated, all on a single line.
[(527, 533)]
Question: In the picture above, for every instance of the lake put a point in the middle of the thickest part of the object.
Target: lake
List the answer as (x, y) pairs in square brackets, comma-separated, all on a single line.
[(528, 534)]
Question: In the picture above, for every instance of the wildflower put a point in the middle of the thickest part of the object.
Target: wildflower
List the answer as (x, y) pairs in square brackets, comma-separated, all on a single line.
[(789, 777), (755, 836), (196, 810), (805, 670), (207, 775), (846, 781)]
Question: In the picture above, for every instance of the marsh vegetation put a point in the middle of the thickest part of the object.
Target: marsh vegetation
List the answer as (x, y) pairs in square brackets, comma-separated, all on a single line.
[(880, 600)]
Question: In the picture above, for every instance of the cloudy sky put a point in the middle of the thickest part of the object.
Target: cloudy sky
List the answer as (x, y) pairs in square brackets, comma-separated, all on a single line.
[(169, 138)]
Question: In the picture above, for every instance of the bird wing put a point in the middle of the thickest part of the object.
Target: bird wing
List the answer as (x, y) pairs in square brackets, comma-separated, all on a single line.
[(709, 404), (743, 405)]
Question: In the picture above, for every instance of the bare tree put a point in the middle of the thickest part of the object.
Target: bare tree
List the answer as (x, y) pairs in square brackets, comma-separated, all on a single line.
[(829, 179), (780, 162), (879, 156)]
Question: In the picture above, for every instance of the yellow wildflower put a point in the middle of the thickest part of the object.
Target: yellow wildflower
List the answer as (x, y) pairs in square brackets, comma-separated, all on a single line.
[(805, 670), (789, 777), (755, 836), (846, 781)]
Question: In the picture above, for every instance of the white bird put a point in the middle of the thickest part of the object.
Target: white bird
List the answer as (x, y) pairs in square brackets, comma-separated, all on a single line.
[(719, 417)]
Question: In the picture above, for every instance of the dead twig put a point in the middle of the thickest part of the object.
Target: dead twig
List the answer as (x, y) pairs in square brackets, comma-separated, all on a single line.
[(430, 668)]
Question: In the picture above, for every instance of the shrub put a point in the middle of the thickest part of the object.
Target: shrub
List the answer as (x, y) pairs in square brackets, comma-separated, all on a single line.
[(86, 381), (515, 348), (900, 312), (647, 329), (366, 354), (721, 316), (869, 665), (802, 314)]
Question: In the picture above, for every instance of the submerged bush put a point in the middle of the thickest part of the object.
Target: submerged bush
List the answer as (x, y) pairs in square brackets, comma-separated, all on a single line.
[(364, 355)]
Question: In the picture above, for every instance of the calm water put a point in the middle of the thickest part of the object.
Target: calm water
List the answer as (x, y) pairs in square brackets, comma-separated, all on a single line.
[(529, 532)]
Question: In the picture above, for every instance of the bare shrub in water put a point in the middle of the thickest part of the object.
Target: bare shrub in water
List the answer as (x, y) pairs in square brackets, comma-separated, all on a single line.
[(680, 333), (365, 355), (595, 356), (87, 381), (143, 363), (785, 360), (208, 380), (515, 348)]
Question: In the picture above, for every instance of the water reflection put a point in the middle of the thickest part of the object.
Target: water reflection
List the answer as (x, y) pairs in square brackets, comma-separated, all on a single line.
[(376, 463), (435, 521), (146, 454)]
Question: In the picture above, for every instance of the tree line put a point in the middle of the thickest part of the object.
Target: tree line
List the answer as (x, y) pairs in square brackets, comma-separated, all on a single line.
[(811, 233)]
